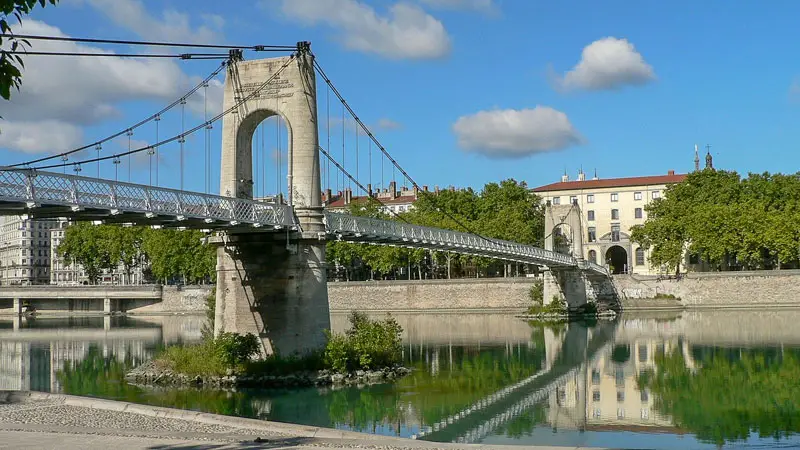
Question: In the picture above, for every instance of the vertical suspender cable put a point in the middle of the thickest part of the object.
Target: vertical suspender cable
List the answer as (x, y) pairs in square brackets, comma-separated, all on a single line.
[(98, 147), (182, 139), (130, 134), (157, 119), (357, 177), (328, 161), (370, 164), (343, 136), (278, 147), (256, 154), (205, 136)]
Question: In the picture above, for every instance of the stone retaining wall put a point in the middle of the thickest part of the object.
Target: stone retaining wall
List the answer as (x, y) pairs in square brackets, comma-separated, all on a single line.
[(511, 294), (718, 289)]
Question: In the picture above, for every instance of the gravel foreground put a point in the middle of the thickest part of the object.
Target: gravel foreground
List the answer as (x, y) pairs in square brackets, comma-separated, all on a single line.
[(41, 421)]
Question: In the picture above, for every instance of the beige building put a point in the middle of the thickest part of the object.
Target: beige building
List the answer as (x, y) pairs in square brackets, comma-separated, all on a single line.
[(394, 200), (609, 208), (25, 250)]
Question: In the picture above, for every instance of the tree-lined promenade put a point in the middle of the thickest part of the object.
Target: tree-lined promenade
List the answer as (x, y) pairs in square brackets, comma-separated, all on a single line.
[(725, 221)]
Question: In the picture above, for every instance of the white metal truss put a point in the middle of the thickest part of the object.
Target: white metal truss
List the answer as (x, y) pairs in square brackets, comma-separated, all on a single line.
[(368, 230), (82, 195)]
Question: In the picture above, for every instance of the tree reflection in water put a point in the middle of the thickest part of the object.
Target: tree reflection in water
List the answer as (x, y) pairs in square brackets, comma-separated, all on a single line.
[(731, 394)]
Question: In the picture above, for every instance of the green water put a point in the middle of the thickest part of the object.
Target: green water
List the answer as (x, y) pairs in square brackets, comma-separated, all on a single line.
[(691, 380)]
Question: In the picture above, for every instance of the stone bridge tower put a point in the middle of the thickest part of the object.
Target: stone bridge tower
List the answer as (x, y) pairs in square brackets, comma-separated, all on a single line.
[(564, 234), (270, 283)]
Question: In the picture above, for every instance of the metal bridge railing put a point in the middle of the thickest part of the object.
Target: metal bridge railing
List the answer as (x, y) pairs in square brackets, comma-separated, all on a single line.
[(36, 189), (368, 229)]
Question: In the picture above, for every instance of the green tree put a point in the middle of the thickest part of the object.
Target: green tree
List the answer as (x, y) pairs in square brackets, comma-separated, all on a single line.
[(84, 244), (11, 65)]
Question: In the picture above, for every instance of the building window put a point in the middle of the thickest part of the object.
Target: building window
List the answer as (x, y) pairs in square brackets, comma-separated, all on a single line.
[(637, 195), (596, 396), (640, 256), (615, 197), (615, 233), (595, 376), (620, 396), (656, 195), (644, 396), (642, 353), (573, 199), (556, 200), (593, 256), (590, 215), (589, 198), (637, 213), (620, 411), (592, 234), (614, 214), (619, 377)]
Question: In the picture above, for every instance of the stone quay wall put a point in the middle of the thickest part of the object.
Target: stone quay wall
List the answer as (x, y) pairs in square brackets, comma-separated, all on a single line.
[(499, 294), (755, 289)]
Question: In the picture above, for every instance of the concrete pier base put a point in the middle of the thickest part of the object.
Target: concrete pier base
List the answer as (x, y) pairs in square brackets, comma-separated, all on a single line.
[(274, 289), (568, 285), (17, 306)]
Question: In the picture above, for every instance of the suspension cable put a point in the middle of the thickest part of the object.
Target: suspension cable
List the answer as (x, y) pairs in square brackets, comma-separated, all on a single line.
[(157, 120), (183, 56), (206, 147), (358, 184), (156, 117), (130, 135), (249, 96), (257, 48), (374, 139), (182, 139)]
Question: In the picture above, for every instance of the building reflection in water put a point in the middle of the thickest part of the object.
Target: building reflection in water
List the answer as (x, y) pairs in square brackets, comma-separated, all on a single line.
[(33, 351)]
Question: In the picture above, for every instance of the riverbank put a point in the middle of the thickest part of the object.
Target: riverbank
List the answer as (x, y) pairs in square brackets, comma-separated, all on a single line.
[(151, 374), (39, 420)]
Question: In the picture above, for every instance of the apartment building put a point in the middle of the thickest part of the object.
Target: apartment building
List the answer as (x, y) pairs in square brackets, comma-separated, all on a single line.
[(25, 250), (609, 208)]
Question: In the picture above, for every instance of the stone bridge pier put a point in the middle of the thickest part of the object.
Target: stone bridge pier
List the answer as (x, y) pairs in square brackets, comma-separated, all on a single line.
[(274, 283), (564, 234)]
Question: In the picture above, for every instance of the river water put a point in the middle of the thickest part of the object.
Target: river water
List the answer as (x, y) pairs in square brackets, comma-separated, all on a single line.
[(656, 380)]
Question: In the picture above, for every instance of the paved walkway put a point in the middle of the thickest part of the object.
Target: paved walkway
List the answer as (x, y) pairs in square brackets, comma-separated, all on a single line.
[(45, 421)]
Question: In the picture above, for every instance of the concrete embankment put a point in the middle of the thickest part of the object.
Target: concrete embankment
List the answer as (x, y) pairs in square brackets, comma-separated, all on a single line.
[(713, 290), (38, 420), (755, 289)]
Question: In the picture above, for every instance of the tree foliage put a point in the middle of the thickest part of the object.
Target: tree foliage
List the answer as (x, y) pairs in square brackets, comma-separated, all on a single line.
[(764, 400), (168, 253), (728, 221), (11, 65), (507, 210)]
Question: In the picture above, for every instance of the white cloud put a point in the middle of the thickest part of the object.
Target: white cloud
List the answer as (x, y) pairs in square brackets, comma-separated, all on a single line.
[(476, 5), (60, 95), (39, 136), (512, 133), (405, 32), (608, 63), (389, 124), (173, 26)]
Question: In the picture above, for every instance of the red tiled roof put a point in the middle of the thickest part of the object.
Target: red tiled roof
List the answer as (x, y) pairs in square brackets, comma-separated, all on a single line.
[(339, 201), (611, 182)]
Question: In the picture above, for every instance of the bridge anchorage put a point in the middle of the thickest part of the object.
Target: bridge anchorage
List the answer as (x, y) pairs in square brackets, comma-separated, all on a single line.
[(271, 262)]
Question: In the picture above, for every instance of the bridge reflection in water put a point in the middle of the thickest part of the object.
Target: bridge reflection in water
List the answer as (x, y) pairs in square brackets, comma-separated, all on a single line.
[(479, 377)]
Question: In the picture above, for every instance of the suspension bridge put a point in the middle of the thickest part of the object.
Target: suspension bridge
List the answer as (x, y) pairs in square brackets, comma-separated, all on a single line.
[(271, 271)]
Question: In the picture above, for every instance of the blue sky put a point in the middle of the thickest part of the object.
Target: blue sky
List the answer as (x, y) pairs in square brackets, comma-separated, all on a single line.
[(461, 92)]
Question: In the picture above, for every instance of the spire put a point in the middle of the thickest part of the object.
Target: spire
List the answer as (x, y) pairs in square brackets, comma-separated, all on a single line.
[(709, 158), (696, 159)]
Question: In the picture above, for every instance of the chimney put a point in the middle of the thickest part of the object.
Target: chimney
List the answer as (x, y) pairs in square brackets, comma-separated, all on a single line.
[(436, 189), (348, 196), (595, 175), (369, 189), (564, 178), (393, 190), (671, 172), (328, 198), (416, 191), (425, 188), (581, 175)]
